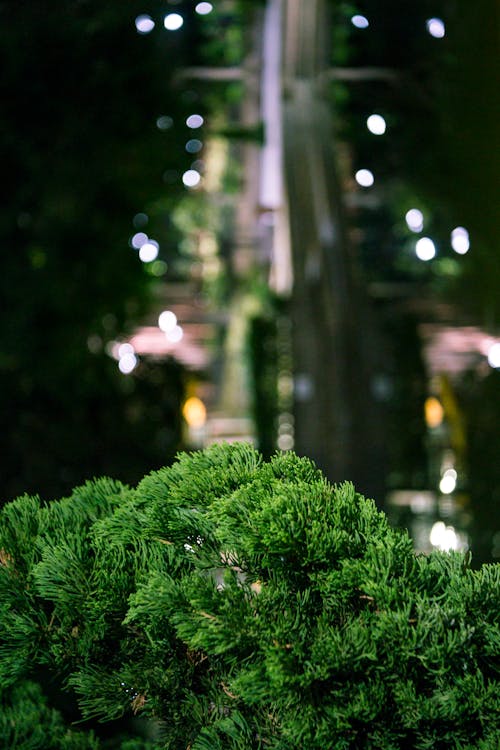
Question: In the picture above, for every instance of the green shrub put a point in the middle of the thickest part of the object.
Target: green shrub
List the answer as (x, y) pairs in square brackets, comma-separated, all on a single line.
[(241, 604)]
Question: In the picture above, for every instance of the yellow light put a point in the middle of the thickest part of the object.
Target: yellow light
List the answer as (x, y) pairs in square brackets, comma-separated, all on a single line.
[(434, 412), (194, 412)]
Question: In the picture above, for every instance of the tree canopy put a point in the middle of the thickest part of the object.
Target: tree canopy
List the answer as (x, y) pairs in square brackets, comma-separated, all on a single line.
[(241, 604)]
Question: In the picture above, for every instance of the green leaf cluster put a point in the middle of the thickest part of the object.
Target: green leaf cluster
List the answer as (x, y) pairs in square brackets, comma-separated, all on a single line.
[(242, 604)]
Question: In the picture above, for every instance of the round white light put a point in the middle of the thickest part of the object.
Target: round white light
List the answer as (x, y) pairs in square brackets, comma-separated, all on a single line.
[(376, 124), (175, 335), (494, 355), (460, 240), (144, 24), (127, 363), (191, 178), (204, 8), (415, 220), (364, 177), (425, 249), (138, 240), (443, 537), (360, 22), (124, 349), (148, 252), (448, 483), (194, 121), (167, 321), (435, 27), (173, 21)]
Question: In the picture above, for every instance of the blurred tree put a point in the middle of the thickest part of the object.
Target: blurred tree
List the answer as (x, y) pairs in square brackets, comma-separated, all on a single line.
[(83, 152)]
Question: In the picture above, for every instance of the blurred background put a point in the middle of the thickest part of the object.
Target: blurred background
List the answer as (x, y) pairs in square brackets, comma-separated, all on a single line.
[(269, 221)]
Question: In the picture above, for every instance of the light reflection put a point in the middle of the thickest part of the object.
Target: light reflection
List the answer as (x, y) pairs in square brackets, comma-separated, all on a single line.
[(173, 21), (360, 22), (425, 249), (364, 177), (148, 251), (460, 240), (191, 178), (415, 220), (203, 9), (194, 121), (144, 24), (436, 28), (376, 124)]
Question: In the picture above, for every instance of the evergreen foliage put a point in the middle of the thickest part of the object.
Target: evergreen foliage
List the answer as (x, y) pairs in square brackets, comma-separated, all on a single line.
[(241, 604)]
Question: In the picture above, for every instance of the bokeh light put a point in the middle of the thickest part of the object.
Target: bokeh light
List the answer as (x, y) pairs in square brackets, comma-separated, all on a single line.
[(425, 249), (138, 240), (194, 121), (158, 268), (167, 320), (448, 482), (148, 251), (173, 21), (193, 146), (194, 412), (443, 537), (415, 220), (140, 220), (175, 335), (127, 363), (124, 349), (364, 177), (376, 124), (191, 178), (144, 24), (436, 28), (203, 9), (460, 241), (164, 122), (434, 412), (494, 355), (360, 22)]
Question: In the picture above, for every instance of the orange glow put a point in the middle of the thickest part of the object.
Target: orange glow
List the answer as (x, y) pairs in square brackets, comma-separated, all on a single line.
[(194, 412), (434, 412)]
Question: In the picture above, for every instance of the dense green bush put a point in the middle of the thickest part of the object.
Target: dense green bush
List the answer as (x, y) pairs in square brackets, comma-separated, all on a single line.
[(242, 604)]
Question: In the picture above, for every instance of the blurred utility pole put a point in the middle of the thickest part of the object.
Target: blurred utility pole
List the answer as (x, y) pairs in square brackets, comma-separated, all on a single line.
[(335, 344)]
